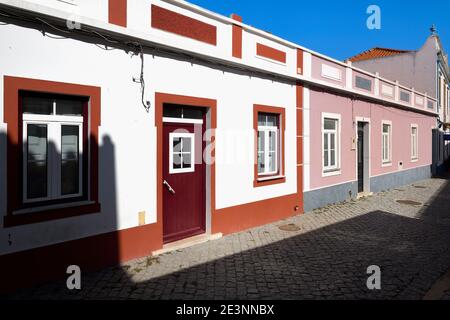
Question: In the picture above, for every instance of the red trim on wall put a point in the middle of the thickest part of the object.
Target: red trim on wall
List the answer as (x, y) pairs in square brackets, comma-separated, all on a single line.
[(117, 12), (236, 17), (12, 116), (281, 112), (237, 41), (270, 53), (237, 37), (299, 150), (246, 216), (50, 214), (174, 22), (299, 103), (49, 263), (299, 61), (160, 100)]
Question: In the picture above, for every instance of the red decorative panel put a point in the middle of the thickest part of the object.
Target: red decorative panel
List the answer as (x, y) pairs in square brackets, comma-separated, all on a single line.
[(117, 12), (237, 41), (173, 22), (270, 53)]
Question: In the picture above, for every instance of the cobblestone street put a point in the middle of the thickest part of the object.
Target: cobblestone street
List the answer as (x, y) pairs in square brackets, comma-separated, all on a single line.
[(326, 258)]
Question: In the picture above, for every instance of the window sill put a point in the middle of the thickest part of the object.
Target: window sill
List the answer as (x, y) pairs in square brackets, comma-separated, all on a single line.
[(270, 180), (262, 179), (415, 160), (331, 173), (52, 212), (53, 207), (386, 164)]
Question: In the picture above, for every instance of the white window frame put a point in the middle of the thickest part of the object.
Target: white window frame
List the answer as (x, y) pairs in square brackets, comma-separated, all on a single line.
[(364, 78), (386, 162), (335, 169), (414, 143), (182, 120), (172, 136), (54, 123), (266, 131), (405, 93)]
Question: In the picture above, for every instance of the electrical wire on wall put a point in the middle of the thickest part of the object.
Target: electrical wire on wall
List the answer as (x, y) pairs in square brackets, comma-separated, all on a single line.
[(138, 47), (52, 26), (388, 109), (106, 48), (141, 80), (130, 46), (353, 111), (403, 114)]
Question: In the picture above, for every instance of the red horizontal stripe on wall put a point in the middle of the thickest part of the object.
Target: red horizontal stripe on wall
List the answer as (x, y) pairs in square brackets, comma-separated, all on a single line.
[(93, 253), (173, 22), (270, 53), (117, 11)]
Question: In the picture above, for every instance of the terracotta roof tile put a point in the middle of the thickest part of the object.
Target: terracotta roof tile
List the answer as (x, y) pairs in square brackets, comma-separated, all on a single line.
[(376, 53)]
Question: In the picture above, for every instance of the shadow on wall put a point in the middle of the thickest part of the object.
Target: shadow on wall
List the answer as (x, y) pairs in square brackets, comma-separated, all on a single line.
[(40, 265), (327, 263)]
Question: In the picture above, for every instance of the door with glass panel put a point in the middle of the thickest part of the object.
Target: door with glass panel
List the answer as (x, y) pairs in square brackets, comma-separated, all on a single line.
[(183, 173), (53, 129)]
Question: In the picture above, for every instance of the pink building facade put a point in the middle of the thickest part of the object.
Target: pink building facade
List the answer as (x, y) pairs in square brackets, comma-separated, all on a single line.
[(427, 70), (362, 133), (399, 166)]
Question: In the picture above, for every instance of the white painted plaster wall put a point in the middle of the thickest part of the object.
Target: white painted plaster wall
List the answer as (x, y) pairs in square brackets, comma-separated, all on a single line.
[(413, 69), (129, 170)]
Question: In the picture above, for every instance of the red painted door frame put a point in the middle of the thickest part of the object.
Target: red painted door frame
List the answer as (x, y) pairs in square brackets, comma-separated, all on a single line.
[(160, 100)]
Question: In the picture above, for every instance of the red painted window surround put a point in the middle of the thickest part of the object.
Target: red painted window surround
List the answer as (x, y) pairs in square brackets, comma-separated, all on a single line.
[(179, 24), (12, 116), (257, 108), (117, 12), (270, 53)]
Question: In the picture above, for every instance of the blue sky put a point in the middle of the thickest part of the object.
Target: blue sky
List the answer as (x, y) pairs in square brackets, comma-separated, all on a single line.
[(338, 28)]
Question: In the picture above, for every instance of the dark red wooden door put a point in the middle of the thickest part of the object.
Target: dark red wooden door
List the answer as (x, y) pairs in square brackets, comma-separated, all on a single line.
[(183, 182)]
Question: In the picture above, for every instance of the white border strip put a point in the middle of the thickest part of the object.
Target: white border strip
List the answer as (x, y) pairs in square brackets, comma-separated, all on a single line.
[(306, 140)]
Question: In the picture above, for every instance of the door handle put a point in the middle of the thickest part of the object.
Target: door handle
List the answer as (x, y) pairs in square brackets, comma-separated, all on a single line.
[(169, 187)]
